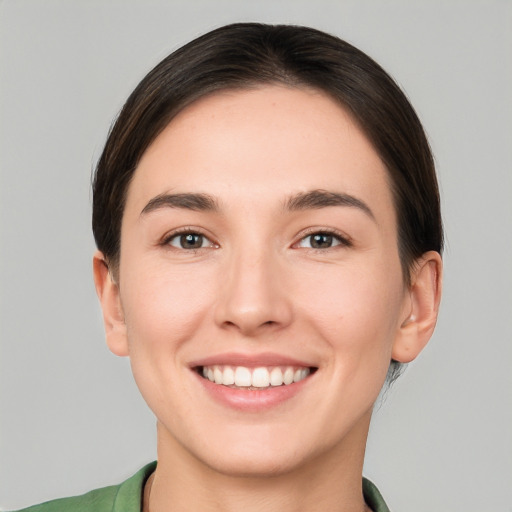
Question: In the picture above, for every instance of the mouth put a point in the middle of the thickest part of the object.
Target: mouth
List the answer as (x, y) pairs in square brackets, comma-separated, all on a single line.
[(257, 378)]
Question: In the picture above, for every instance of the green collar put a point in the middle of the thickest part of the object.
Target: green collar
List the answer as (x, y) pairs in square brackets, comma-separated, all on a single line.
[(129, 494), (373, 497)]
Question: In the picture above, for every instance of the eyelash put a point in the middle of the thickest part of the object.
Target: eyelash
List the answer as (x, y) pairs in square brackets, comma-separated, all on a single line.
[(342, 240), (166, 241)]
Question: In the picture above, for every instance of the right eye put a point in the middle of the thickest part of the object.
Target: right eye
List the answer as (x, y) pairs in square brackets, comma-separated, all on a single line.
[(189, 240)]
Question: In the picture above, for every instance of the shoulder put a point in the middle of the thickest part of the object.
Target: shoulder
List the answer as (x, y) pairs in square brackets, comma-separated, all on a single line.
[(125, 497)]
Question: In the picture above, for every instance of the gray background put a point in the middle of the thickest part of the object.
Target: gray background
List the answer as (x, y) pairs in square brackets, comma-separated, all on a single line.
[(71, 417)]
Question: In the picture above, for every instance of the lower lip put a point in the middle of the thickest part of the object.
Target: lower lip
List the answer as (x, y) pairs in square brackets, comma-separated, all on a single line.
[(252, 400)]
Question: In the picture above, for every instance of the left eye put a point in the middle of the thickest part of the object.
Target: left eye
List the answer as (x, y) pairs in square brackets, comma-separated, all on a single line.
[(189, 241), (321, 241)]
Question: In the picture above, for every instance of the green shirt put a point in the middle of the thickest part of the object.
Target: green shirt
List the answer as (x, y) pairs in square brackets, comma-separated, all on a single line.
[(127, 497)]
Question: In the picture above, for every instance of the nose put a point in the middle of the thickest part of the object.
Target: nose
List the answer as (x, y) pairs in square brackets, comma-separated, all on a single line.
[(254, 297)]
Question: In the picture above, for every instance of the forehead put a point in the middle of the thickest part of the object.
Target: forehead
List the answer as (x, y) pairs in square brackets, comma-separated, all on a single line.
[(260, 144)]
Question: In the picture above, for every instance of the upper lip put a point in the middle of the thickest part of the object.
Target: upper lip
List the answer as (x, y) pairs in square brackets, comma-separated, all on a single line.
[(250, 360)]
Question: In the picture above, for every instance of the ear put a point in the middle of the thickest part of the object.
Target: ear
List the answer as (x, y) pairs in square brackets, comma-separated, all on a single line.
[(421, 308), (113, 317)]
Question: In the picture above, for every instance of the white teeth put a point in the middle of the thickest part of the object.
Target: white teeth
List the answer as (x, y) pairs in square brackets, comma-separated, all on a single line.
[(261, 377), (243, 376), (217, 375), (228, 376), (288, 376), (300, 374), (276, 377)]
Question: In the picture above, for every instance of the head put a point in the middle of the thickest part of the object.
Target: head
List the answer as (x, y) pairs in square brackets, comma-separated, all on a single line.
[(245, 68), (248, 55)]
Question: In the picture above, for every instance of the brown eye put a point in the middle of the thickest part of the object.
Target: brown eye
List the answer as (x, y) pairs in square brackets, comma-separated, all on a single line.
[(189, 241), (322, 240)]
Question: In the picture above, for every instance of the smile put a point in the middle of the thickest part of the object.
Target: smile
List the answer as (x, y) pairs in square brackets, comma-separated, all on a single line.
[(253, 378)]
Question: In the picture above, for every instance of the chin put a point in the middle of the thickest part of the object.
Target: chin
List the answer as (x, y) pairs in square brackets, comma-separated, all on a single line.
[(257, 451), (254, 465)]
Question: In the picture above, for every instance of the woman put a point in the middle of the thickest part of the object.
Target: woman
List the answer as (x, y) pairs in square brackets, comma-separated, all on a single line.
[(267, 219)]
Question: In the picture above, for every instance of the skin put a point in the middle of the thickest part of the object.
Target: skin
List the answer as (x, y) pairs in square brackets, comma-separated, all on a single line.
[(256, 285)]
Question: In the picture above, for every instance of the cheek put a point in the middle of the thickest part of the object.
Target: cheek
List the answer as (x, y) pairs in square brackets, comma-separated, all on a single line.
[(164, 309), (356, 311), (164, 305)]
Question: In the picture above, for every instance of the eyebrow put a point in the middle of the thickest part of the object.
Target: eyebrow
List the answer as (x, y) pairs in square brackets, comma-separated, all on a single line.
[(189, 201), (316, 199)]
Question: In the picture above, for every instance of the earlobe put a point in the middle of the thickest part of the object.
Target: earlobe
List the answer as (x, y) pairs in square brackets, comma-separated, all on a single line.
[(422, 308), (108, 294)]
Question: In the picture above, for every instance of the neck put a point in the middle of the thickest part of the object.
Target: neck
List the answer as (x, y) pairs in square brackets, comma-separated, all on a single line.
[(329, 481)]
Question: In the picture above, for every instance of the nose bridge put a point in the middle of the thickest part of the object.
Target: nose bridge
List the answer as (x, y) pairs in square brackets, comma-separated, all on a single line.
[(253, 294)]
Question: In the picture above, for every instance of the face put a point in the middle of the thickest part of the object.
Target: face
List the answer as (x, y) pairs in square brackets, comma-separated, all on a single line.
[(260, 286)]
